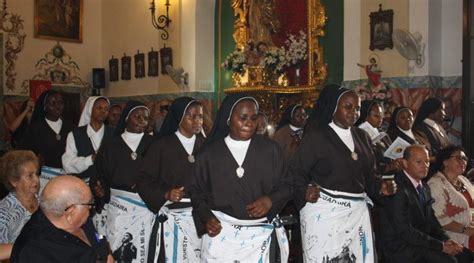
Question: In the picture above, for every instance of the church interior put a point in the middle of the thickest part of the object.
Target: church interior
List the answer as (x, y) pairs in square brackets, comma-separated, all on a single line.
[(420, 55), (282, 53)]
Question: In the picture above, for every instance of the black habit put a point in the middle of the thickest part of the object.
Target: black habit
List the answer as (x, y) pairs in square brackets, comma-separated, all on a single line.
[(217, 187), (115, 166), (324, 159), (166, 166), (42, 140)]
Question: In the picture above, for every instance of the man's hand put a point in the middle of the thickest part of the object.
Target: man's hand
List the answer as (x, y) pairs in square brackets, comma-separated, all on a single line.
[(312, 193), (452, 247), (175, 194), (259, 207), (99, 190), (213, 227), (389, 187)]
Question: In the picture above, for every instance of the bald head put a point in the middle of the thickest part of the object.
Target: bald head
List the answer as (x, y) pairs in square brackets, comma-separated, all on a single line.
[(61, 192)]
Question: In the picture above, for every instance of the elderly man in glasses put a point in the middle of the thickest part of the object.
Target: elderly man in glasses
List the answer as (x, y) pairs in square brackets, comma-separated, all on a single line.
[(61, 231)]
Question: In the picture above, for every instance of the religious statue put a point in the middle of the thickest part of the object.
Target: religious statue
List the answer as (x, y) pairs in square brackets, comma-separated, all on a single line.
[(374, 73), (262, 21)]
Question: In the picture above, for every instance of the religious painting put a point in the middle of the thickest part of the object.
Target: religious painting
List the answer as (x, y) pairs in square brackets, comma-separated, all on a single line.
[(166, 56), (59, 20), (153, 63), (126, 67), (139, 65), (381, 29), (113, 69)]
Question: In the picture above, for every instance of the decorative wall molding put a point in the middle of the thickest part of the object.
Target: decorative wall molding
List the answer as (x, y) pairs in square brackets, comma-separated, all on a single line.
[(12, 25), (58, 67)]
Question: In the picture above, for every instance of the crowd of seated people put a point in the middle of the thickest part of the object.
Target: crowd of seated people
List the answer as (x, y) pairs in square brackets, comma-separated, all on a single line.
[(135, 184)]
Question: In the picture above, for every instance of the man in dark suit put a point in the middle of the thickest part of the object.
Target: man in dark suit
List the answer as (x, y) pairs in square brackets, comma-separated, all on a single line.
[(411, 232)]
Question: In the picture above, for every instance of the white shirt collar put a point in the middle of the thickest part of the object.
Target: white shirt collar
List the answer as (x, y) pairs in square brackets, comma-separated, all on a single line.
[(132, 139), (432, 124), (412, 180), (237, 148), (408, 133), (345, 135), (294, 128), (188, 143), (55, 125), (95, 136)]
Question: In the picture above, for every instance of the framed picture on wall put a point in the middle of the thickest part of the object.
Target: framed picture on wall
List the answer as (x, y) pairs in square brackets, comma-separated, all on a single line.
[(59, 20), (139, 65), (166, 56), (381, 29), (126, 67), (153, 63), (113, 69)]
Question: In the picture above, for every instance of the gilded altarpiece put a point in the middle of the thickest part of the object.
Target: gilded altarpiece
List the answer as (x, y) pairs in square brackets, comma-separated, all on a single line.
[(271, 22)]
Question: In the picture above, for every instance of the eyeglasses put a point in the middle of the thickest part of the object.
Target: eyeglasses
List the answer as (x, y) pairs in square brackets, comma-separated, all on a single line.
[(91, 205), (460, 158)]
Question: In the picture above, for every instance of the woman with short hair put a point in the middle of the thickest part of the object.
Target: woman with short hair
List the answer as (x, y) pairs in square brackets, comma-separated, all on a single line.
[(19, 173)]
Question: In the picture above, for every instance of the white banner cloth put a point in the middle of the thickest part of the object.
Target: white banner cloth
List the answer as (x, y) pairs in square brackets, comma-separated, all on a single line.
[(337, 228), (243, 241), (126, 213)]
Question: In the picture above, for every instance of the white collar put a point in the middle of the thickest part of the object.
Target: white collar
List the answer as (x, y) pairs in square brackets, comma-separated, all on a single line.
[(55, 125), (294, 128), (132, 139), (237, 144), (345, 135), (185, 139), (92, 132), (408, 133), (188, 143), (339, 130), (431, 123), (412, 180)]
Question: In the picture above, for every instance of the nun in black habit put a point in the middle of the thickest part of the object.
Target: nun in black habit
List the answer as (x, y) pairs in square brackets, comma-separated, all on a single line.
[(290, 129), (239, 180), (120, 161), (401, 123), (370, 120), (46, 135), (167, 173), (118, 167), (336, 159)]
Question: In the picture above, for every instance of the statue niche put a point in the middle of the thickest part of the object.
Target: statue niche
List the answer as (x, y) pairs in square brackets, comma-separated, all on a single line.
[(263, 25)]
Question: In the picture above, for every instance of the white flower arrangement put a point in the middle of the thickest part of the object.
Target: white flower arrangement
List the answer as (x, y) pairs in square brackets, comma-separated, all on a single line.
[(275, 58), (236, 62), (297, 48)]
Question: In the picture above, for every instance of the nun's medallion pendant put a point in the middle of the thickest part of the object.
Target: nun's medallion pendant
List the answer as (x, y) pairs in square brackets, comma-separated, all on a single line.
[(354, 156), (58, 137), (191, 158), (240, 171), (133, 155)]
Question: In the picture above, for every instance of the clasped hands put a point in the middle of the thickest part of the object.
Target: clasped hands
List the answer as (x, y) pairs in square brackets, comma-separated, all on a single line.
[(175, 194), (257, 209), (452, 247)]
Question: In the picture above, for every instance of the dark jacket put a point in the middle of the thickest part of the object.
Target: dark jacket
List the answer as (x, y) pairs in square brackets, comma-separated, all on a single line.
[(409, 226)]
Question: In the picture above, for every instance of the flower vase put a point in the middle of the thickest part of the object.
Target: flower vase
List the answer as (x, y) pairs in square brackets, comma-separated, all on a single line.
[(297, 79)]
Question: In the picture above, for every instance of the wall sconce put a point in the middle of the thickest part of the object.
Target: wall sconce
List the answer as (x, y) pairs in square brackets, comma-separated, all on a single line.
[(163, 21)]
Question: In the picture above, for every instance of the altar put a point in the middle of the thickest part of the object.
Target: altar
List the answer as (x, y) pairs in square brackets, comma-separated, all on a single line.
[(278, 58)]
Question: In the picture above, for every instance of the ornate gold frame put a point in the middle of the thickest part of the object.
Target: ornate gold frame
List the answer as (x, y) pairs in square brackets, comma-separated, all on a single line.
[(316, 67)]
